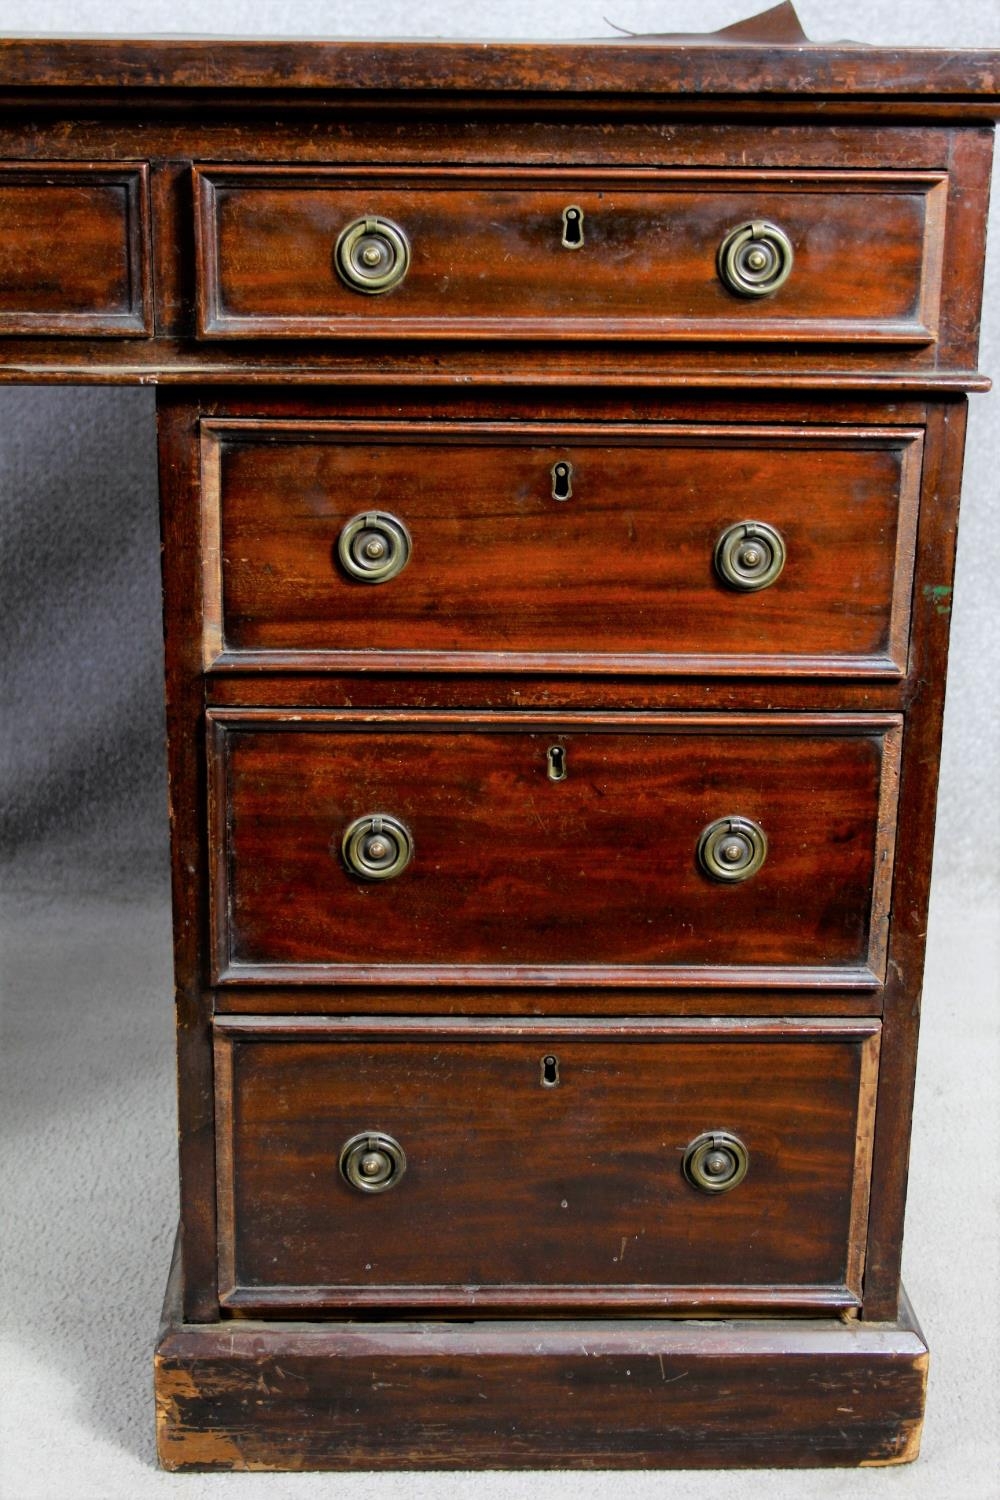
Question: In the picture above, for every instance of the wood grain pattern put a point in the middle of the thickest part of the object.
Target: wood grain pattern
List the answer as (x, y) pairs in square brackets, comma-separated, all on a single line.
[(524, 1196), (516, 877), (918, 791), (582, 1394), (662, 68), (74, 249), (487, 258), (618, 578), (185, 698), (613, 136), (168, 212)]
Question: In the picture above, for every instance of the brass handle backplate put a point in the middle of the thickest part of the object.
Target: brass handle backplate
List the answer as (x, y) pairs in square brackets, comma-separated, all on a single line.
[(374, 546), (716, 1162), (732, 849), (372, 1162), (749, 556), (755, 259), (372, 255), (377, 847)]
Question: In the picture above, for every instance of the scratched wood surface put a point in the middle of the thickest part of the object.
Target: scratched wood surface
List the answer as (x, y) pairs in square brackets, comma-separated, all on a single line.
[(603, 1393), (169, 212), (522, 1193), (618, 575), (487, 256), (511, 868)]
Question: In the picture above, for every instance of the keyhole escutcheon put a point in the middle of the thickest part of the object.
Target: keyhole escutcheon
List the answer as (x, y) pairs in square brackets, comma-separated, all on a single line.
[(562, 480), (572, 235), (550, 1071), (557, 762)]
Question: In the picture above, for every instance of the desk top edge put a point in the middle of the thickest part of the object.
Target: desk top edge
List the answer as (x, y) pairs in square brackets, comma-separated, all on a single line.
[(656, 68)]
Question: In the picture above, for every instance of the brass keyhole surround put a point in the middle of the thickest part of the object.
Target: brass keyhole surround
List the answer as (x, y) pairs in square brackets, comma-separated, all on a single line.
[(572, 235)]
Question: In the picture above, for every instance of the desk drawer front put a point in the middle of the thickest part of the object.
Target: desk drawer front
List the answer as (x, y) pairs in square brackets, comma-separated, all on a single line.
[(519, 1191), (509, 850), (491, 253), (74, 249), (539, 547)]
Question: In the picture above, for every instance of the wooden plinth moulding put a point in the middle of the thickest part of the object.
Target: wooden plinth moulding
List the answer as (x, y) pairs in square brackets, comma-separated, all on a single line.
[(581, 1394), (560, 451)]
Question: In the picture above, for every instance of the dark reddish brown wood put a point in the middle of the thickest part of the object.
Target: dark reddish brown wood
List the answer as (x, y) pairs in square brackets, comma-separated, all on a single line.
[(556, 908), (538, 1197), (571, 999), (74, 249), (662, 68), (185, 700), (515, 877), (503, 581), (605, 1393), (918, 790), (487, 259), (170, 136)]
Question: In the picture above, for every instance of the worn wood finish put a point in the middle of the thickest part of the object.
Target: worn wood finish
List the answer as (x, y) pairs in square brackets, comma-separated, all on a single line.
[(922, 743), (601, 1394), (487, 257), (185, 696), (536, 1196), (502, 573), (168, 213), (515, 875), (812, 73), (157, 128), (567, 999), (74, 249)]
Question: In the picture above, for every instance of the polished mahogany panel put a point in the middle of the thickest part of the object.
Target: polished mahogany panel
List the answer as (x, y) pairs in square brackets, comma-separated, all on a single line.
[(74, 249), (508, 570), (520, 1191), (488, 259), (516, 876)]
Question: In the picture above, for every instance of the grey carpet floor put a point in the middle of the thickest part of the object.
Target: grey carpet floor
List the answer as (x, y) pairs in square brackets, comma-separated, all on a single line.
[(89, 1201)]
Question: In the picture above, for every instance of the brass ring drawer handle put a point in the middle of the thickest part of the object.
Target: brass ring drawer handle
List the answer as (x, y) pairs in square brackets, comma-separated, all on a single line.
[(377, 847), (732, 849), (374, 546), (372, 255), (716, 1161), (755, 259), (749, 556), (372, 1162)]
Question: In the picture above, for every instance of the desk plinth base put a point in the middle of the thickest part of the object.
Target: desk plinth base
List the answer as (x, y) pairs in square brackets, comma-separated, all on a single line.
[(640, 1393)]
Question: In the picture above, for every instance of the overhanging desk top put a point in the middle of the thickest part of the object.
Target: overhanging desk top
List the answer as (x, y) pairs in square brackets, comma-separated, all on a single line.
[(691, 73), (664, 534), (157, 108)]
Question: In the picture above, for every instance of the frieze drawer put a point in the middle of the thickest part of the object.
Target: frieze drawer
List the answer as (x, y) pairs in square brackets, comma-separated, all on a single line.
[(505, 253), (75, 249)]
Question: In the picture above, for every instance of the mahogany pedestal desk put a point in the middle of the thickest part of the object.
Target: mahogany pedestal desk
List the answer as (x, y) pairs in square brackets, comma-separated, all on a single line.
[(560, 451)]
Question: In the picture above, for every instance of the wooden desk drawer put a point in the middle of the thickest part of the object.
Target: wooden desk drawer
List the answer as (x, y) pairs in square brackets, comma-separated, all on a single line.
[(542, 1164), (74, 249), (517, 877), (541, 547), (483, 253)]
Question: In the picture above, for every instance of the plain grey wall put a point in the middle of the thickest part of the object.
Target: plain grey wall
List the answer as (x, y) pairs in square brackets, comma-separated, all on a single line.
[(82, 760)]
